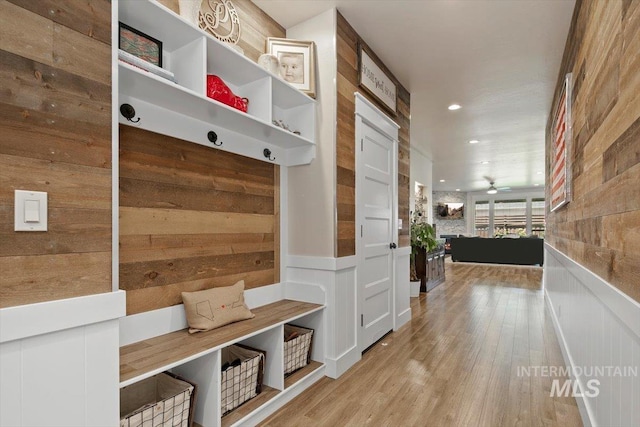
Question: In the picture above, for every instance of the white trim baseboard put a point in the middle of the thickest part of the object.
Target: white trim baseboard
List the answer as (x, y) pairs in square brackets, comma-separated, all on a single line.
[(29, 320), (403, 318), (339, 365)]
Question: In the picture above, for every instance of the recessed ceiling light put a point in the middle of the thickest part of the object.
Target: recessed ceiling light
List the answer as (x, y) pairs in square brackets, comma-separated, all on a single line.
[(454, 107), (473, 141), (536, 185), (484, 163), (442, 180), (539, 173), (457, 189)]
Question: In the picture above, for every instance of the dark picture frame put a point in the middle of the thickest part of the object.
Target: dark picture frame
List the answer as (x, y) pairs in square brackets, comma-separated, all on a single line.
[(451, 210), (140, 44), (377, 82)]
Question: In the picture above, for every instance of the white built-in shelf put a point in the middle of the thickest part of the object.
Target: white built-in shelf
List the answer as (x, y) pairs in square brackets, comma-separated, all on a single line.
[(197, 358), (182, 110)]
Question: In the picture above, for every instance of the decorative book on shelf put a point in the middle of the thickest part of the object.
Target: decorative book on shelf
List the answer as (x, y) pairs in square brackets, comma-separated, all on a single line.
[(147, 66)]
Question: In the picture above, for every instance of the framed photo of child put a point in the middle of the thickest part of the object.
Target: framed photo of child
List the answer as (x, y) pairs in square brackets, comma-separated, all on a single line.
[(297, 62)]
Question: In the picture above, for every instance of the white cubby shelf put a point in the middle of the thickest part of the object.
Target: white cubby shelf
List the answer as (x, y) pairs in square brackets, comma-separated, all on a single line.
[(182, 110), (197, 358)]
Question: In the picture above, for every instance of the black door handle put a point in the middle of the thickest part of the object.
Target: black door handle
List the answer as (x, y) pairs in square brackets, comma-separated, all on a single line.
[(392, 246)]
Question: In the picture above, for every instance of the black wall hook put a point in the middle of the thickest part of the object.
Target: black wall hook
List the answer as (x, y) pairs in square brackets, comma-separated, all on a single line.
[(213, 138), (267, 154), (129, 112)]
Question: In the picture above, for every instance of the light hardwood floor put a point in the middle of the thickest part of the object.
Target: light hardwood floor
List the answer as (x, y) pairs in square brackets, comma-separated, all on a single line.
[(455, 364)]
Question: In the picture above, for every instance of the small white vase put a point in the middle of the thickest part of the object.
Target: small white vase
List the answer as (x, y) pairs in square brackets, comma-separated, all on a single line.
[(269, 62), (189, 10)]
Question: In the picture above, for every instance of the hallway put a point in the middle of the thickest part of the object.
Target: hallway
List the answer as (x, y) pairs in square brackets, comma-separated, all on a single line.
[(458, 362)]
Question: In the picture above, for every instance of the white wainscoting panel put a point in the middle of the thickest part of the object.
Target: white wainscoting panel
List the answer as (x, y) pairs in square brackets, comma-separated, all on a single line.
[(69, 377), (598, 327), (335, 278), (402, 299)]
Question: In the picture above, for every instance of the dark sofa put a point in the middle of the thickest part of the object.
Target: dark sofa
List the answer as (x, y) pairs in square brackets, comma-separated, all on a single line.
[(522, 251)]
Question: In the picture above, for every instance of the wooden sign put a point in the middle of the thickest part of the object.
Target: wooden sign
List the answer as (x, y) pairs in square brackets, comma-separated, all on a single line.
[(375, 81), (560, 161)]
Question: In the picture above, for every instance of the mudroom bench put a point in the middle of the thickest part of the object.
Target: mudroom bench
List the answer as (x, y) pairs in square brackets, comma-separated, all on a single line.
[(196, 357)]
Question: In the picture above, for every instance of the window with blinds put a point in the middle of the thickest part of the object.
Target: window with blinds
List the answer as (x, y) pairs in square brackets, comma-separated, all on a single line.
[(510, 217), (537, 217), (482, 219)]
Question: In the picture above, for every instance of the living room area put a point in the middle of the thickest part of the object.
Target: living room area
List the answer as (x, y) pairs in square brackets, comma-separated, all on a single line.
[(502, 227)]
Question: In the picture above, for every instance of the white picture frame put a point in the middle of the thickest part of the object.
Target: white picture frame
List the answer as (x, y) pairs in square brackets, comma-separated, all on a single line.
[(296, 60)]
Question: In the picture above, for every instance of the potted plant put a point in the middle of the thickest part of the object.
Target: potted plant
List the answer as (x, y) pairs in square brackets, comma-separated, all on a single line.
[(422, 238)]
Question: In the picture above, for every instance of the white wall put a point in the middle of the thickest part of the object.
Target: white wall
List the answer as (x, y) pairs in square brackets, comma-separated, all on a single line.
[(59, 362), (421, 171), (310, 261), (597, 326), (312, 195)]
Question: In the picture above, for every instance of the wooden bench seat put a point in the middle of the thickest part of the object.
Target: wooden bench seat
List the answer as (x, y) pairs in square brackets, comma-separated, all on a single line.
[(148, 357)]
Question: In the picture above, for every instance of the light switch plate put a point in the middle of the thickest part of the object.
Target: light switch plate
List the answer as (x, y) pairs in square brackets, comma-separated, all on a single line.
[(30, 212)]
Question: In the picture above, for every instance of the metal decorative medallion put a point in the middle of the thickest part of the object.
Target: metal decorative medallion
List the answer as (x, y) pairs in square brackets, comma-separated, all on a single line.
[(220, 18)]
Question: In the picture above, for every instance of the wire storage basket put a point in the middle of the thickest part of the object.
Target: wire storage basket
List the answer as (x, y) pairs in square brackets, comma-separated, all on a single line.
[(242, 375), (161, 400), (297, 348)]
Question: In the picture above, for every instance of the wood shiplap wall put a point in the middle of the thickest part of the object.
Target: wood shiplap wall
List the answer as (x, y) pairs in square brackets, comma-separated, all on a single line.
[(193, 217), (55, 136), (256, 26), (347, 44), (600, 227)]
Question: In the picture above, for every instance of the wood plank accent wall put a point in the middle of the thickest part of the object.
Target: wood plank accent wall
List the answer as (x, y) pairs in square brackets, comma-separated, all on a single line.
[(55, 127), (192, 218), (255, 25), (600, 227), (347, 44)]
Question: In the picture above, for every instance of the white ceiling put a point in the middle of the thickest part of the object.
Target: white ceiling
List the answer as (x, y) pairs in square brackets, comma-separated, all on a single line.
[(499, 59)]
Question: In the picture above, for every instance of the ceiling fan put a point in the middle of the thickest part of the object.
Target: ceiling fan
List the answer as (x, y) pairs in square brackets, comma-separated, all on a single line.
[(492, 188)]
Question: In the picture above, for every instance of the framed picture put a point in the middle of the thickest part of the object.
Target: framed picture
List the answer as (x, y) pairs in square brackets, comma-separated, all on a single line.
[(375, 81), (139, 44), (560, 152), (297, 63), (450, 210)]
